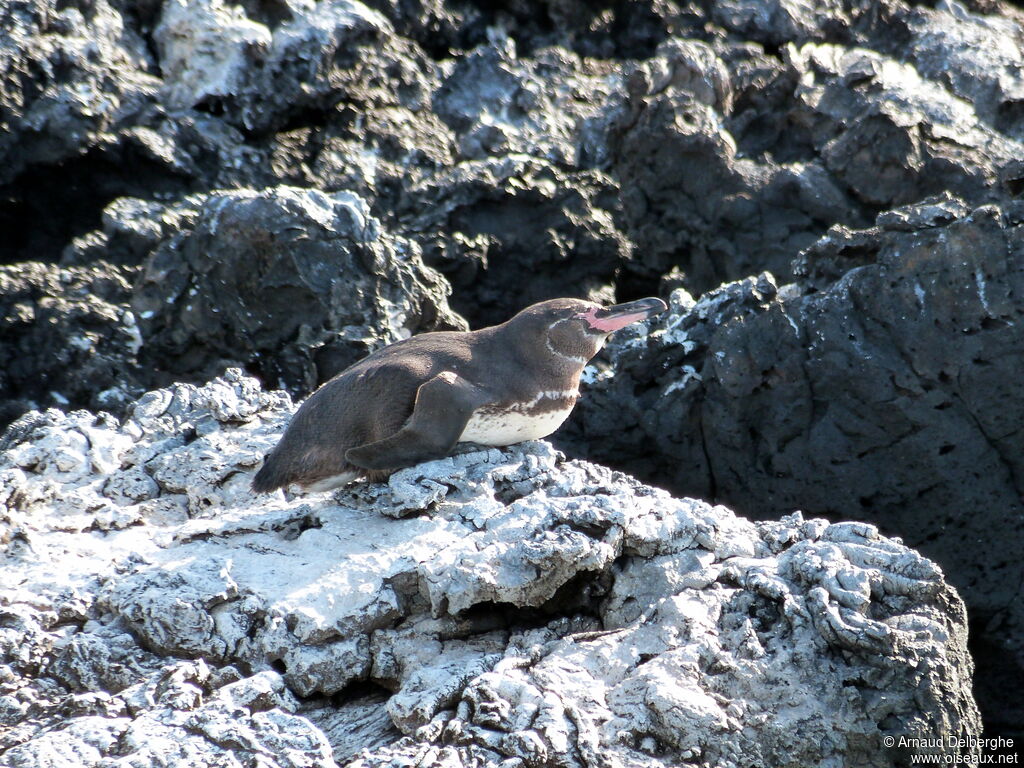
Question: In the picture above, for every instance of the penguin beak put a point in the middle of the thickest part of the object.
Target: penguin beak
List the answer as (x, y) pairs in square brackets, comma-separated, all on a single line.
[(619, 316)]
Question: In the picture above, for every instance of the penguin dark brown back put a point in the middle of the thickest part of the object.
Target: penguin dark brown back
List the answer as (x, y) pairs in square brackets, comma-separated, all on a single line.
[(414, 400)]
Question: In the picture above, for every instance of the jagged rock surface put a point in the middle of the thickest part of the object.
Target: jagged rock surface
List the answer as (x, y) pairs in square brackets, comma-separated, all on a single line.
[(57, 96), (530, 149), (593, 151), (486, 223), (892, 379), (294, 283), (66, 335), (515, 604)]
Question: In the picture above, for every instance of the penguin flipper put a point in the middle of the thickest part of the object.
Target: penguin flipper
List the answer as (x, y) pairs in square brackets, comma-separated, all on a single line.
[(444, 405)]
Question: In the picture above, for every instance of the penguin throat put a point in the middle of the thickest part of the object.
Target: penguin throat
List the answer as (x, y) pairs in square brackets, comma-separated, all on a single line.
[(571, 343), (566, 355)]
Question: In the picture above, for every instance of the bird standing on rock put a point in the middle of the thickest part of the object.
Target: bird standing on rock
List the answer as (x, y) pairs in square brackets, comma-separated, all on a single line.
[(414, 400)]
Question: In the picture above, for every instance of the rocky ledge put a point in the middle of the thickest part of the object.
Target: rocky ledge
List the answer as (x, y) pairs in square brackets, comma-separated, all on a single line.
[(499, 607)]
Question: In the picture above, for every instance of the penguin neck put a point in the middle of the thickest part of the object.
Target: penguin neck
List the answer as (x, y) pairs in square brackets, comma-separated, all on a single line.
[(561, 364), (572, 359), (567, 346), (537, 353)]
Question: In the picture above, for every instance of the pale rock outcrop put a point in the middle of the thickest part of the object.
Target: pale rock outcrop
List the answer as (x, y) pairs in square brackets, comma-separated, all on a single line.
[(517, 606)]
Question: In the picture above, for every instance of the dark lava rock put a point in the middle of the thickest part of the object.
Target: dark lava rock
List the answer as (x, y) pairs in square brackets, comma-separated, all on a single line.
[(666, 144), (67, 337), (499, 103), (619, 29), (515, 200), (60, 108), (510, 232), (729, 161), (294, 283), (83, 121), (57, 95), (266, 67), (773, 23), (729, 139), (889, 391), (976, 56), (891, 136)]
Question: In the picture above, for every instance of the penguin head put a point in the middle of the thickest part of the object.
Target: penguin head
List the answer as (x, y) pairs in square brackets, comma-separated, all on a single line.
[(575, 330)]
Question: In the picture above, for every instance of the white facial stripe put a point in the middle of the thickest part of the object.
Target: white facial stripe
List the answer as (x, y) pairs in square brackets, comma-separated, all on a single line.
[(574, 358)]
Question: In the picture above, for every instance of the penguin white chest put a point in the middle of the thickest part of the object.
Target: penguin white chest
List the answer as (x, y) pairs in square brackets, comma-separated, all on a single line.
[(520, 421)]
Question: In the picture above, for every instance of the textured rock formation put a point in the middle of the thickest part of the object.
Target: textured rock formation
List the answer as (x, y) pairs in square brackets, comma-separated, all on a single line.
[(66, 336), (57, 96), (259, 68), (665, 139), (486, 224), (718, 144), (528, 149), (295, 283), (512, 603), (894, 380)]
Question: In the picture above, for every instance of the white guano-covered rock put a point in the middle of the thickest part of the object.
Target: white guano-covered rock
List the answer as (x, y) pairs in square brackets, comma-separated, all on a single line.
[(497, 605)]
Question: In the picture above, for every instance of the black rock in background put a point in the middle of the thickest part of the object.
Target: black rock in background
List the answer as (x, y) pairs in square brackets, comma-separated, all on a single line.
[(293, 282), (488, 224), (69, 79), (667, 143), (66, 338), (168, 167), (885, 389)]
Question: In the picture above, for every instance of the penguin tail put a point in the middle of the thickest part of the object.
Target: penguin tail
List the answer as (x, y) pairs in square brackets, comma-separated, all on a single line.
[(314, 471), (270, 477)]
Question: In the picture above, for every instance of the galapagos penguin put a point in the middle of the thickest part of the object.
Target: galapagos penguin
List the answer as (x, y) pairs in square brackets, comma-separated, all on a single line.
[(414, 400)]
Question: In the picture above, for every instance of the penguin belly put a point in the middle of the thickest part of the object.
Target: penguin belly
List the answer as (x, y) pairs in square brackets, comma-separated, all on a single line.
[(520, 421)]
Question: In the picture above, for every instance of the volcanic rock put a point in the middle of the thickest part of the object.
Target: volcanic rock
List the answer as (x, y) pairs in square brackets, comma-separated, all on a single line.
[(485, 224), (892, 378), (295, 283), (66, 336), (57, 98), (495, 604)]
